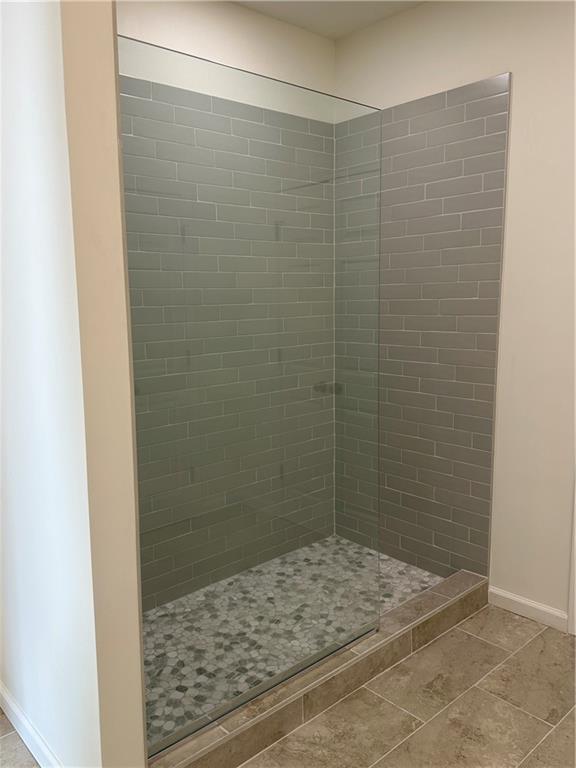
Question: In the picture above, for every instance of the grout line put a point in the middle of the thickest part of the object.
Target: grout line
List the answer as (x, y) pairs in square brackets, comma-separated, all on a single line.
[(489, 642), (456, 699), (543, 739), (525, 712), (364, 685), (380, 695), (407, 630)]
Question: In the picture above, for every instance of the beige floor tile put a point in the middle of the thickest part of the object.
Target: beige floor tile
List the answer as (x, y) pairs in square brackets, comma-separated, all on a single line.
[(539, 678), (502, 627), (5, 724), (557, 749), (351, 734), (14, 754), (434, 676), (475, 731)]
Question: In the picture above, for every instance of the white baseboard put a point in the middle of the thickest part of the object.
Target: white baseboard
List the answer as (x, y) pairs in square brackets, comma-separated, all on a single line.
[(545, 614), (27, 732)]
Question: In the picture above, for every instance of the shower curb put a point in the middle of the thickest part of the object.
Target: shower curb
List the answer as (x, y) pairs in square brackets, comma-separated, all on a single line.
[(235, 738)]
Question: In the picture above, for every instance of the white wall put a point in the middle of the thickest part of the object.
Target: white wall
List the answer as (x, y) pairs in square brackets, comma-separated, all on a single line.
[(48, 675), (437, 46), (90, 84), (233, 35), (70, 660)]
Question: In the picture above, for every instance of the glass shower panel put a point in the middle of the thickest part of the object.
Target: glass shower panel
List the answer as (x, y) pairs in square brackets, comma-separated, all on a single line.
[(251, 217)]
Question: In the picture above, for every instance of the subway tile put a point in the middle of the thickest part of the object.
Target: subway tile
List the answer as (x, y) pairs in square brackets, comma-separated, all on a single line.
[(132, 86), (479, 90), (131, 105), (437, 119), (494, 180), (485, 218), (181, 97), (485, 107), (417, 210), (465, 455), (451, 133), (474, 147), (449, 290), (484, 163), (420, 106), (403, 145), (459, 186), (136, 145), (452, 239), (147, 166), (166, 187), (435, 172), (474, 202), (472, 255), (204, 175), (386, 132), (237, 109), (469, 307), (200, 119), (422, 157), (286, 121), (140, 203), (496, 123)]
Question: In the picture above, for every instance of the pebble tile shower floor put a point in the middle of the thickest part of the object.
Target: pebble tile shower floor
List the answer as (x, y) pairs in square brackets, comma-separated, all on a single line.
[(213, 645)]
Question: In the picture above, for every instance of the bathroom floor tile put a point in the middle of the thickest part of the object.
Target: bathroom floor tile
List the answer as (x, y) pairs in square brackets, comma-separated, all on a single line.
[(475, 731), (14, 753), (502, 627), (433, 677), (5, 725), (557, 749), (351, 734), (539, 678)]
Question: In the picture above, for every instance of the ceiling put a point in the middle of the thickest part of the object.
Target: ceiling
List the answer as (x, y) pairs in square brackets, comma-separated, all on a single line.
[(327, 18)]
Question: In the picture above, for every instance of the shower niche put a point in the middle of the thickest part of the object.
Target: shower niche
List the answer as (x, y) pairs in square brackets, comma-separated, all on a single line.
[(313, 380)]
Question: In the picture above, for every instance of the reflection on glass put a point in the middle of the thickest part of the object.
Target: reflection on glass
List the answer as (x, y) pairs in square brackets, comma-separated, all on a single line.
[(252, 220)]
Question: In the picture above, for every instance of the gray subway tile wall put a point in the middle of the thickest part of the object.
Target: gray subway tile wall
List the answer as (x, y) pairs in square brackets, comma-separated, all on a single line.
[(314, 315), (356, 265), (440, 266), (230, 221)]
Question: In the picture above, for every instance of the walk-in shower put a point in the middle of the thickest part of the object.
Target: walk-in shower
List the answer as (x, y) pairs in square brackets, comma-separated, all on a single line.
[(264, 322)]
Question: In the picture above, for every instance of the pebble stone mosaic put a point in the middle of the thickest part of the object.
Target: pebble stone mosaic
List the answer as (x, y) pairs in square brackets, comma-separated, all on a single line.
[(209, 647)]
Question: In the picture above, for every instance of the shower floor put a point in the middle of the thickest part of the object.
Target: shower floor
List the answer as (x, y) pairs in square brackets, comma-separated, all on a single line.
[(216, 644)]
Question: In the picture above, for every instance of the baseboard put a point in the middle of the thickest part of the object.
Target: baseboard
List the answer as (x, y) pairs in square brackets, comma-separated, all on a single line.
[(27, 732), (545, 614)]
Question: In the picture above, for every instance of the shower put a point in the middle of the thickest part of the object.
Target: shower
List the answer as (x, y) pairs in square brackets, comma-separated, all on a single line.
[(282, 463)]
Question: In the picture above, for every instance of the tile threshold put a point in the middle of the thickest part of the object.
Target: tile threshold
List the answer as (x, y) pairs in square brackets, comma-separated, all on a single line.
[(230, 746)]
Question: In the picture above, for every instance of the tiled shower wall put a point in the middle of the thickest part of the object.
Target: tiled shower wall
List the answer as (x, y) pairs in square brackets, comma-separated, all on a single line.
[(240, 342), (230, 225), (442, 206)]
